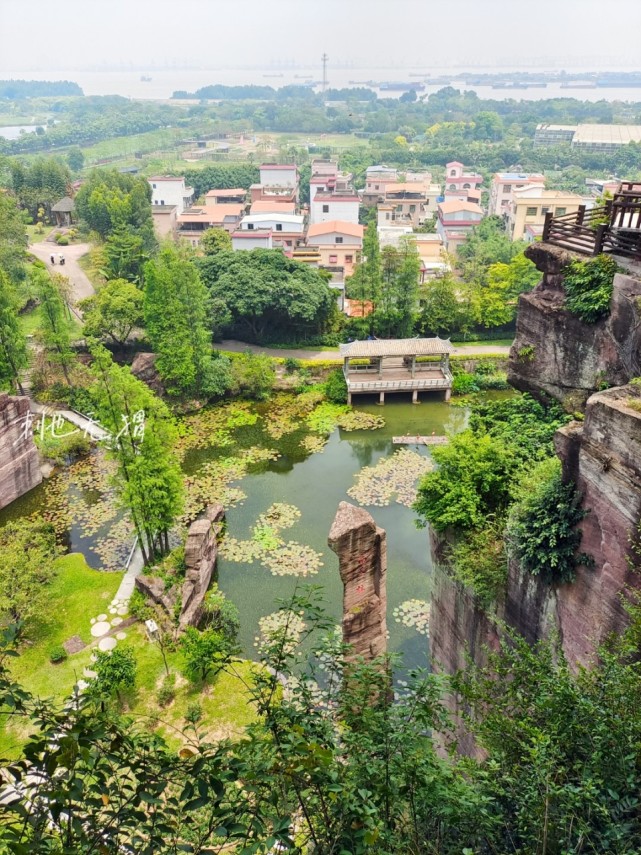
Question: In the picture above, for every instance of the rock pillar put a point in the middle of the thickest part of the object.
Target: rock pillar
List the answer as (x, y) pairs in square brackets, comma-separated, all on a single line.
[(19, 460), (362, 555)]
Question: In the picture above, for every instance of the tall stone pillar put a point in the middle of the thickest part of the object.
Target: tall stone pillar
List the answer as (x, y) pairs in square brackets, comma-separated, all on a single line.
[(362, 555)]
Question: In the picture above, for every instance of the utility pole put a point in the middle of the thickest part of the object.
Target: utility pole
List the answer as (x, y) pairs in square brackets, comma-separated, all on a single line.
[(324, 59)]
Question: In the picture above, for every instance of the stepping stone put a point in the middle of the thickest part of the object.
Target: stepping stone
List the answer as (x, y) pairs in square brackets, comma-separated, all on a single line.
[(89, 674), (116, 621), (100, 628), (121, 636), (93, 658), (106, 644), (93, 620), (73, 645), (112, 610), (101, 617), (122, 610)]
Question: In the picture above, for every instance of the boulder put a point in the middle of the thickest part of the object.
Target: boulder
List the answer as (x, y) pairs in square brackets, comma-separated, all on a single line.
[(144, 368)]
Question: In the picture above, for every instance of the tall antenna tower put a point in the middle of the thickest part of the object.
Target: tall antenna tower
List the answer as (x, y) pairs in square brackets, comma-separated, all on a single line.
[(324, 59)]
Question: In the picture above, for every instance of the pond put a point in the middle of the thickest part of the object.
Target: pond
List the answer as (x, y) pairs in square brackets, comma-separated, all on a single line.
[(265, 452), (13, 132)]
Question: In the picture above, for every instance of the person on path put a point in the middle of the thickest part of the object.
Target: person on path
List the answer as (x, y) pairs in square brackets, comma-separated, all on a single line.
[(61, 258), (53, 258)]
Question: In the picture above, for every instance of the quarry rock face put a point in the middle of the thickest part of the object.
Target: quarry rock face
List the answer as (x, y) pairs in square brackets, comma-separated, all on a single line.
[(19, 460), (362, 555), (556, 354)]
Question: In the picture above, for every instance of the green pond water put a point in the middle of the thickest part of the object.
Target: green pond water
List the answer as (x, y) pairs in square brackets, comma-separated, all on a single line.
[(314, 483)]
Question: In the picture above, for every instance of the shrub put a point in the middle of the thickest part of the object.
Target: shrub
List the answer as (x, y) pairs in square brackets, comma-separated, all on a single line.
[(253, 375), (194, 713), (497, 380), (62, 240), (588, 287), (480, 562), (463, 384), (292, 364), (541, 529), (139, 606), (336, 387), (167, 691), (58, 654), (63, 449)]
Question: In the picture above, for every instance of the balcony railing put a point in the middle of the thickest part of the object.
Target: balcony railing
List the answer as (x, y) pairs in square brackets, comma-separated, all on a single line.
[(614, 227)]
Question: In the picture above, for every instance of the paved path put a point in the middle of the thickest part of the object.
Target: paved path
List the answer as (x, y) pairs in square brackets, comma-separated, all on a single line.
[(127, 585), (240, 346), (81, 286), (90, 428)]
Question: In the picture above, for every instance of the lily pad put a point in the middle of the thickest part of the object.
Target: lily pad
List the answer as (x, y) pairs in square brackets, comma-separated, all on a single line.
[(392, 478), (414, 614)]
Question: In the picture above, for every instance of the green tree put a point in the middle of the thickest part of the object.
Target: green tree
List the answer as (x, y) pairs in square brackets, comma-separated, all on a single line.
[(177, 319), (269, 295), (115, 672), (252, 375), (125, 253), (55, 328), (149, 480), (205, 652), (27, 554), (440, 307), (114, 311), (215, 240), (473, 479), (13, 239), (13, 342), (75, 159)]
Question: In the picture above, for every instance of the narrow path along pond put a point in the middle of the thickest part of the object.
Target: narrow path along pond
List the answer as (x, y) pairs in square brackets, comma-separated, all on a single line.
[(270, 453)]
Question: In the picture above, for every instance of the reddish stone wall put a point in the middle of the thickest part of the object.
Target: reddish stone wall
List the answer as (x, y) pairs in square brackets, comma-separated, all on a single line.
[(19, 460), (362, 554)]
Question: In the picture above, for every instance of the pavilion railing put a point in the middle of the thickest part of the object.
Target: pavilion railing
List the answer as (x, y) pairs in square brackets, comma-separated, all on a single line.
[(614, 227)]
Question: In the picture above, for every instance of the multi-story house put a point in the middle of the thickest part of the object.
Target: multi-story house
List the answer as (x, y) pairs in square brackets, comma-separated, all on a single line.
[(530, 205), (455, 221), (166, 190), (231, 196), (339, 205), (459, 182), (504, 184), (194, 221), (287, 230), (338, 243)]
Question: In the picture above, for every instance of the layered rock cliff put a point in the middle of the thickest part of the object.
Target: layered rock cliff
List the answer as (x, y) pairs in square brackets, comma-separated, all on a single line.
[(19, 461), (556, 355)]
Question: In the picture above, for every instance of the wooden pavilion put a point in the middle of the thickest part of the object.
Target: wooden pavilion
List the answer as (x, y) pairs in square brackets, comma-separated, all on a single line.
[(391, 365)]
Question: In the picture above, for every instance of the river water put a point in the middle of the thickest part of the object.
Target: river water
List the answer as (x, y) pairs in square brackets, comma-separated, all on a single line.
[(314, 483)]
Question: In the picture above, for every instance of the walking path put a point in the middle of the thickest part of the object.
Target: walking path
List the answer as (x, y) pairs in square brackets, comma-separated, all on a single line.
[(81, 286), (87, 425), (126, 589), (240, 346)]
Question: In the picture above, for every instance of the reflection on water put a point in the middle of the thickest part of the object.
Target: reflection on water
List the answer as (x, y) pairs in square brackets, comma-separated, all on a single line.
[(315, 484)]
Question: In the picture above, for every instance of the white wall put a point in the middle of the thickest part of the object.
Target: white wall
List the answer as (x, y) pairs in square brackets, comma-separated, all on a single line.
[(279, 177), (168, 193), (346, 211), (256, 241)]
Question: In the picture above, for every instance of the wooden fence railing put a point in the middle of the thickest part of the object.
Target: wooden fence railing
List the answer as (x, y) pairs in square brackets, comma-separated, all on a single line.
[(614, 227)]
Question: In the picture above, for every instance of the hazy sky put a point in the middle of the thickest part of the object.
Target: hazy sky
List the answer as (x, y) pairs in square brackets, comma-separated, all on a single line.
[(68, 34)]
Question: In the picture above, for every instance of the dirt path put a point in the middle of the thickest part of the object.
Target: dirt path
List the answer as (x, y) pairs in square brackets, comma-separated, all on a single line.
[(240, 346), (80, 283)]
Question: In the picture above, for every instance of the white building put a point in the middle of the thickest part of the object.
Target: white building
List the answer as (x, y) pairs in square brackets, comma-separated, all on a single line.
[(279, 175), (171, 191), (292, 224), (334, 206), (504, 184), (248, 240)]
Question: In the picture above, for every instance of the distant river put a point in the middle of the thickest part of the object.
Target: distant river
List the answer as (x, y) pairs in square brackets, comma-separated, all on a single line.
[(164, 83)]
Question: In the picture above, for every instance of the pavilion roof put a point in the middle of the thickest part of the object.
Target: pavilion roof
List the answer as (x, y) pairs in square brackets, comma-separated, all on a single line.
[(396, 347)]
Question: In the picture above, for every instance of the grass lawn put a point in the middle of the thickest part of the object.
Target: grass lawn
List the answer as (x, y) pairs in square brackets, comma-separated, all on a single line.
[(32, 321), (79, 593)]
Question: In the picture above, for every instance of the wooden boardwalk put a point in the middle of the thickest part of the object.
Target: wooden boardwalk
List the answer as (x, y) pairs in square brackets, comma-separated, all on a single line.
[(420, 440)]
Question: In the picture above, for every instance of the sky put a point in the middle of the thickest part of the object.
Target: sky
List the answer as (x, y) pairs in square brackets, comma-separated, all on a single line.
[(93, 34)]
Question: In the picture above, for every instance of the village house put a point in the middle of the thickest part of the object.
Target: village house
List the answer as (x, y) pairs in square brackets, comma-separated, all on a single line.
[(287, 230), (279, 175), (504, 184), (526, 215), (272, 206), (167, 190), (431, 251), (165, 220), (411, 201), (248, 240), (194, 221), (455, 221), (339, 244), (231, 196), (459, 183), (327, 206)]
